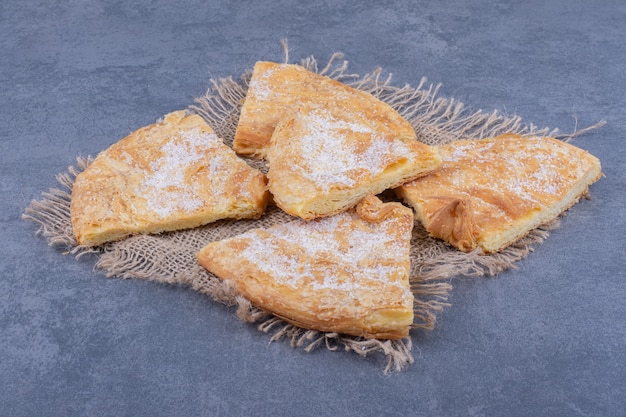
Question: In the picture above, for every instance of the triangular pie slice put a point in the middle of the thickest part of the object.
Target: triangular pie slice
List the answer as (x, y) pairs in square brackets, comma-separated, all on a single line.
[(489, 193), (276, 90), (347, 273), (325, 160), (171, 175)]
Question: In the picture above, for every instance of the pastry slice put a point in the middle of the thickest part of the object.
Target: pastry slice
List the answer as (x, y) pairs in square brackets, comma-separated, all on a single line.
[(489, 193), (275, 90), (348, 273), (325, 160), (171, 175)]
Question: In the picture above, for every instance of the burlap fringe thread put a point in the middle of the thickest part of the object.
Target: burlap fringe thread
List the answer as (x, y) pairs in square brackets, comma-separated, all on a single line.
[(170, 257)]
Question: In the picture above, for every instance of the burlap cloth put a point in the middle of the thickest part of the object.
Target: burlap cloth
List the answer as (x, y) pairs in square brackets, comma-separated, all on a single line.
[(169, 258)]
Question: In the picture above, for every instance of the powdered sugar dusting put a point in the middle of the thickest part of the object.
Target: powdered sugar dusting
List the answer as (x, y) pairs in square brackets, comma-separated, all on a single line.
[(332, 159), (260, 85), (321, 251), (525, 168), (166, 190)]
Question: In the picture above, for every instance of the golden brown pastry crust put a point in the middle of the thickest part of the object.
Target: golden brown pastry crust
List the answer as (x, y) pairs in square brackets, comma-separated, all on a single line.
[(489, 193), (346, 273), (171, 175), (325, 160), (276, 90)]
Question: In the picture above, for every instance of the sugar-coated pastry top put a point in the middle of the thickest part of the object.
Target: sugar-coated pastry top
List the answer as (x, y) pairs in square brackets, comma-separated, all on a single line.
[(325, 160), (277, 90), (346, 273), (488, 193), (171, 175)]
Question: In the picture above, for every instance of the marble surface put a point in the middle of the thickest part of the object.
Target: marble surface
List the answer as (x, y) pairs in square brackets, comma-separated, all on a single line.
[(547, 338)]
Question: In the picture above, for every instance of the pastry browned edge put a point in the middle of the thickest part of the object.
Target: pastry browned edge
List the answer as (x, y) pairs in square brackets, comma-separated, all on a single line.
[(171, 175), (348, 273), (325, 160), (489, 193), (277, 90)]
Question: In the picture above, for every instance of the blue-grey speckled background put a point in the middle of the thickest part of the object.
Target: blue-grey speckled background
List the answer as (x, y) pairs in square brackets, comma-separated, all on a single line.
[(548, 338)]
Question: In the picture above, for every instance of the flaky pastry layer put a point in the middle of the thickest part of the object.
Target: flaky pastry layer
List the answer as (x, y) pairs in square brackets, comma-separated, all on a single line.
[(489, 193), (347, 273), (174, 174), (325, 160), (276, 90)]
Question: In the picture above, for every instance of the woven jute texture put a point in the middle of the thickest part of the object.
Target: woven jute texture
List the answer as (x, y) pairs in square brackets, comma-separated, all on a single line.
[(169, 258)]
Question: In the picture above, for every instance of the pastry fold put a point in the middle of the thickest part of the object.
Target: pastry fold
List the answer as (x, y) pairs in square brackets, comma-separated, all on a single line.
[(174, 174), (325, 160), (277, 90), (489, 193), (348, 273)]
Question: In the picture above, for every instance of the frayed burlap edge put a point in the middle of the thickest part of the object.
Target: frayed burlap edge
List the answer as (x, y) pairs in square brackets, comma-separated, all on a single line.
[(436, 120), (176, 265)]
